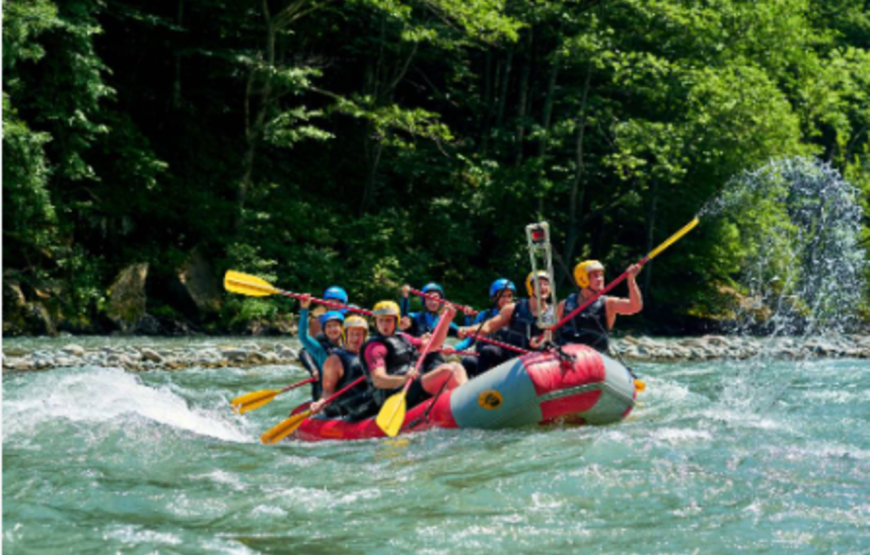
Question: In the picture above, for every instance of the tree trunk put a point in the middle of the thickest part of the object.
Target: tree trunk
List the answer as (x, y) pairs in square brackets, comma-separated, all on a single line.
[(490, 109), (295, 11), (524, 100), (578, 185), (176, 83), (502, 99), (548, 105)]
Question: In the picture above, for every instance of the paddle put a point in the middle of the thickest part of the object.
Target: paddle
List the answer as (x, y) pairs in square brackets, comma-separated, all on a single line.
[(655, 252), (460, 307), (392, 414), (253, 401), (289, 425), (252, 286), (501, 344)]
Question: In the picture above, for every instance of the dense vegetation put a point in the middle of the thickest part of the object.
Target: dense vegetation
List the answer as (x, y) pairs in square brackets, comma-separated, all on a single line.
[(373, 142)]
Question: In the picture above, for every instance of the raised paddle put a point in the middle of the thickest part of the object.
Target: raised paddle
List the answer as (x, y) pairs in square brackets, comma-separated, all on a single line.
[(463, 308), (289, 425), (655, 252), (392, 414), (252, 286), (253, 401)]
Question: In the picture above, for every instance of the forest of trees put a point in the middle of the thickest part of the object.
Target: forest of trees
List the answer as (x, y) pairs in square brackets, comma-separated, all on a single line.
[(369, 143)]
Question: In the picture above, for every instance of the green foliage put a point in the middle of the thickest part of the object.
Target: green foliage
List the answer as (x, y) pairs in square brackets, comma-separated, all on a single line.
[(370, 143)]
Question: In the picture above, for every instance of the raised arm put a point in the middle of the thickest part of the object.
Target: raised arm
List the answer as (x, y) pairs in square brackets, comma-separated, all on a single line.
[(497, 322), (626, 307)]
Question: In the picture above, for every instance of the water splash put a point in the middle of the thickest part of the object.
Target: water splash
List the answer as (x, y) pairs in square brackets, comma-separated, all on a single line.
[(802, 276), (107, 395)]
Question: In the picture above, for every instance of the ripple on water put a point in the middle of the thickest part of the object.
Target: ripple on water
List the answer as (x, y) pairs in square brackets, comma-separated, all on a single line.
[(686, 473)]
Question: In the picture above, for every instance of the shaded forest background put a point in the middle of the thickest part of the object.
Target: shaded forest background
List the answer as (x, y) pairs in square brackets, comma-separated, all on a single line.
[(369, 143)]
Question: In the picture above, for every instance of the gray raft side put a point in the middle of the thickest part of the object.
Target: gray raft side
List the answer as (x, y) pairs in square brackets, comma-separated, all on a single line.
[(519, 406), (617, 394)]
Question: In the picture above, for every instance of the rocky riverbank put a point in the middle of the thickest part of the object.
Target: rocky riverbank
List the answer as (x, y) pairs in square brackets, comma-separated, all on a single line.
[(145, 358)]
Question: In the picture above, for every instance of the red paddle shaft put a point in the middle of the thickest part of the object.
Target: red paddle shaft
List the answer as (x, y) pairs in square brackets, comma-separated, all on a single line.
[(463, 308), (324, 302)]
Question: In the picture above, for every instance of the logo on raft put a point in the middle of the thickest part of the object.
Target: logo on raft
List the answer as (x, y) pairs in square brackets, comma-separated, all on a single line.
[(490, 399)]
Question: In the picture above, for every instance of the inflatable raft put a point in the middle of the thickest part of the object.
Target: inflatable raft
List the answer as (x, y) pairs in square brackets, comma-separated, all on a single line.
[(580, 386)]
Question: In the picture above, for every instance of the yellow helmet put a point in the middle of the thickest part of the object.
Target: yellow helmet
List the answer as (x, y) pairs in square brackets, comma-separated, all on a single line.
[(355, 322), (539, 274), (581, 271), (387, 308)]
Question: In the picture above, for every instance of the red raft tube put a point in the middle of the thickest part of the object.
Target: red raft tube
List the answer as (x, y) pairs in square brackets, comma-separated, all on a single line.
[(539, 388)]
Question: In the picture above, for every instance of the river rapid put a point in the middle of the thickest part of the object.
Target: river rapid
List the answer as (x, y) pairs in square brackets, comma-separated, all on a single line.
[(718, 457)]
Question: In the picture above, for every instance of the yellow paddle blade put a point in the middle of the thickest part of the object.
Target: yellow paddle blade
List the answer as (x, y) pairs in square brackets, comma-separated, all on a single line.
[(674, 238), (640, 385), (256, 404), (285, 428), (241, 402), (245, 284), (392, 414)]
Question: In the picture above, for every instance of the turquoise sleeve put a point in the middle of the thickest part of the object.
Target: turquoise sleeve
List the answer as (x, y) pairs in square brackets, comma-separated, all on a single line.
[(311, 345)]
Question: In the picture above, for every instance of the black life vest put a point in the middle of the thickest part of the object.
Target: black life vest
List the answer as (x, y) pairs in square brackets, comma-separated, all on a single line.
[(589, 327), (400, 359), (485, 316), (327, 345), (523, 325), (357, 403)]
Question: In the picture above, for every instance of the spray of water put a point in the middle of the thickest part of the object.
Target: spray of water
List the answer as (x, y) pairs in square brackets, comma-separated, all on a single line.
[(799, 224)]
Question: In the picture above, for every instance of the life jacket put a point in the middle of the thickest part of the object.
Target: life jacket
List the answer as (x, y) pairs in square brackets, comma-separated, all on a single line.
[(327, 345), (423, 322), (483, 317), (357, 403), (523, 325), (400, 359), (589, 327)]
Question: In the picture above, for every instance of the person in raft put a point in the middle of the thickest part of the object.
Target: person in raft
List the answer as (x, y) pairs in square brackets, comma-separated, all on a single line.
[(389, 358), (315, 350), (418, 323), (591, 326), (342, 367), (501, 293), (519, 319)]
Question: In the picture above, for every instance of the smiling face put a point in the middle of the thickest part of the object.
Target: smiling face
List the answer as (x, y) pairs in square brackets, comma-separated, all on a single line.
[(544, 284), (333, 330), (386, 324), (355, 338), (432, 305)]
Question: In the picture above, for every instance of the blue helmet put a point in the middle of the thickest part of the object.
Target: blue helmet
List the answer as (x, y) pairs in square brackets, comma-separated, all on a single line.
[(331, 315), (433, 287), (500, 285), (336, 293)]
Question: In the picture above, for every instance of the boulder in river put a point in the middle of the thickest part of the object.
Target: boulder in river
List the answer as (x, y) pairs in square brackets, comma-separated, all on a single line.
[(127, 300)]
